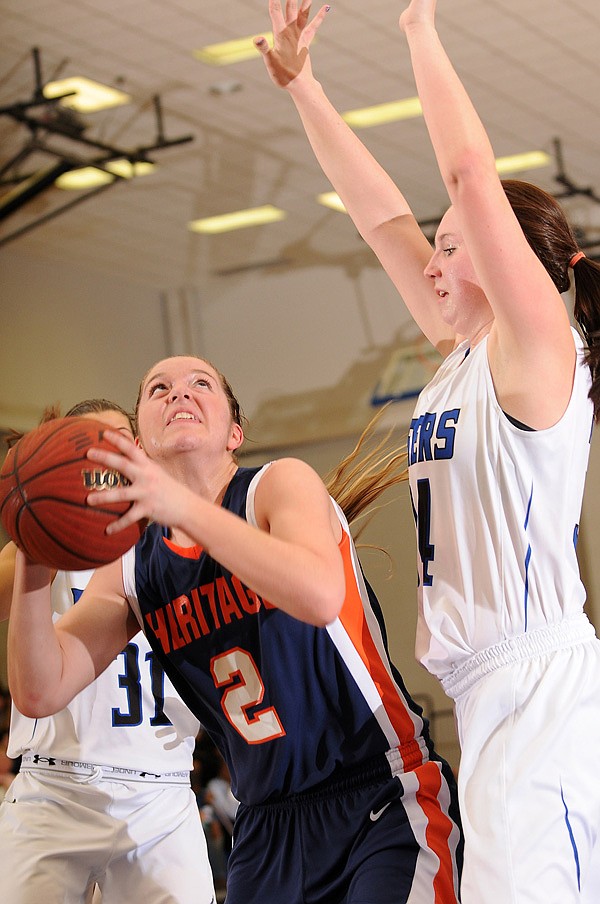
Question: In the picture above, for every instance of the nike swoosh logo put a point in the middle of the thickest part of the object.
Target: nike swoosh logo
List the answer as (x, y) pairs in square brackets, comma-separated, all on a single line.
[(375, 814)]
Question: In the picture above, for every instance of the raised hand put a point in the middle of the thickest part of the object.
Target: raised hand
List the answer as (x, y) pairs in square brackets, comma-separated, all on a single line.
[(154, 494), (292, 36)]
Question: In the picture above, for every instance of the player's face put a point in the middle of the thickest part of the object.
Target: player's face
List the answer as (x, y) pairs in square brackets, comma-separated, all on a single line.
[(114, 419), (462, 302), (183, 407)]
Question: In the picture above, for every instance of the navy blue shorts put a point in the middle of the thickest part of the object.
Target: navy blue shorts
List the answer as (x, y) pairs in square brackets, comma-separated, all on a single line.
[(366, 837)]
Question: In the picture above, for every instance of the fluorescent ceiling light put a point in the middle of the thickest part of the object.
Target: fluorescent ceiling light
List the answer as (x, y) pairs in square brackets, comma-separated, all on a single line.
[(90, 96), (331, 199), (408, 108), (127, 170), (93, 176), (230, 51), (86, 177), (518, 162), (239, 219)]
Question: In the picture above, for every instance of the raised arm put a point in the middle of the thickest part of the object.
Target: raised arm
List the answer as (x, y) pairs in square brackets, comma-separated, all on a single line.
[(531, 349), (291, 558), (377, 207), (49, 663)]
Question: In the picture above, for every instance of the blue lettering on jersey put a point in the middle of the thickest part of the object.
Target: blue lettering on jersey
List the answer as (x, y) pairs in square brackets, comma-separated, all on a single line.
[(431, 436)]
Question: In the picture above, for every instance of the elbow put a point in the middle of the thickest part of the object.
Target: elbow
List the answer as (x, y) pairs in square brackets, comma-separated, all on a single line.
[(34, 706), (331, 601), (469, 168)]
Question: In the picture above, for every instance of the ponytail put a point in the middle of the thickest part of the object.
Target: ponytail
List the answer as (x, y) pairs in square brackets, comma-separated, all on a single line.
[(550, 235), (586, 310)]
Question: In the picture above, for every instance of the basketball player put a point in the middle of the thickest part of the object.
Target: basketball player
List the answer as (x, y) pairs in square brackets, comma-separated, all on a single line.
[(103, 794), (253, 600), (498, 450)]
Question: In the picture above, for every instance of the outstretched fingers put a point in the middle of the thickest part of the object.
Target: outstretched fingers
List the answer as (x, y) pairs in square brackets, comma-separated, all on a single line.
[(126, 460), (292, 36), (309, 31)]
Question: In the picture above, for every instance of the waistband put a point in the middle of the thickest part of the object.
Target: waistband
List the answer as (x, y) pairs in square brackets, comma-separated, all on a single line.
[(89, 773), (538, 642), (373, 771)]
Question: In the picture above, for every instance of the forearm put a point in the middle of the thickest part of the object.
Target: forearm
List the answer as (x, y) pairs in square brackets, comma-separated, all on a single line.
[(374, 202), (34, 654), (460, 142), (369, 195), (291, 577), (302, 580)]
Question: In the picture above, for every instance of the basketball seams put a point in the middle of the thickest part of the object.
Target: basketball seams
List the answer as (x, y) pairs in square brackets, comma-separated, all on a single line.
[(21, 449), (57, 466), (80, 561), (43, 497)]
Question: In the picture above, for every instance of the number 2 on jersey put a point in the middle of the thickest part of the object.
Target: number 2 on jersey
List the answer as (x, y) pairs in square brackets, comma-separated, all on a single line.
[(236, 672)]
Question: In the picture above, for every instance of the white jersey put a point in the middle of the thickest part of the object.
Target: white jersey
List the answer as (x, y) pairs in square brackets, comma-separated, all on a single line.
[(129, 719), (497, 510)]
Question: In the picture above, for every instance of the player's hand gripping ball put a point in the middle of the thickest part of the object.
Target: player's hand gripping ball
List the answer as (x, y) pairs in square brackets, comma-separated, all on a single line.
[(44, 484)]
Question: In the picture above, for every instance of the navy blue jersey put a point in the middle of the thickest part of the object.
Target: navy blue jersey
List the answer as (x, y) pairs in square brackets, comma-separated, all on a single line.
[(287, 704)]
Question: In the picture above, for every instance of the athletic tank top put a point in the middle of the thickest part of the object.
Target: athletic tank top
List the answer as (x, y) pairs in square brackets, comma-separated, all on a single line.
[(497, 511), (288, 704)]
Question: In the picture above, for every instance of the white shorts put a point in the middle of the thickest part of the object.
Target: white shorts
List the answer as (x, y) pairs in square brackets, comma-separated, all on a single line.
[(528, 779), (142, 843)]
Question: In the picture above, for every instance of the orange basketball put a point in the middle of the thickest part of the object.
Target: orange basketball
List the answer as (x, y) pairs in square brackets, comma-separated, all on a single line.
[(44, 484)]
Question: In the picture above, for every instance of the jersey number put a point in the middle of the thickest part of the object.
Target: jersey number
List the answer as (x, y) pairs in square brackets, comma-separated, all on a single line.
[(131, 680), (236, 672), (422, 514)]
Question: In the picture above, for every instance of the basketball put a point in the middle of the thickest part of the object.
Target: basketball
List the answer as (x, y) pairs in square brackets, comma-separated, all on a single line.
[(44, 484)]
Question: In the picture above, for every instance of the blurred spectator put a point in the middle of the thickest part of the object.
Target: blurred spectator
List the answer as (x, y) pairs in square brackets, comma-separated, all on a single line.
[(216, 803)]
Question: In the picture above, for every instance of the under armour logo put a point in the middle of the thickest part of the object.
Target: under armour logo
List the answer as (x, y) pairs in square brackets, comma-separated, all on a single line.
[(44, 759), (154, 774)]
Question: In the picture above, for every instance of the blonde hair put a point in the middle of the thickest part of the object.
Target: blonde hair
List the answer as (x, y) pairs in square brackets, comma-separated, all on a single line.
[(372, 467)]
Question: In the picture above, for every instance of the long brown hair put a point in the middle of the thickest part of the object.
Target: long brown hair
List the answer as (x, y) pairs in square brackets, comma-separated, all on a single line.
[(549, 233)]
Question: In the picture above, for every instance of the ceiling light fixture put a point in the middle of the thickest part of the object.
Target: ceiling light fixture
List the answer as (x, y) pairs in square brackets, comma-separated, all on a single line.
[(92, 176), (89, 95), (228, 52), (516, 163), (364, 118), (85, 177), (239, 219)]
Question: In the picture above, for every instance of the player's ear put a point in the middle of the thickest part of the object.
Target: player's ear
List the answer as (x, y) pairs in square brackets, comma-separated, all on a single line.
[(236, 438)]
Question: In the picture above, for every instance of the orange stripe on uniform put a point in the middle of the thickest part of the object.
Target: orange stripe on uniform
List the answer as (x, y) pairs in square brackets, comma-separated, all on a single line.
[(354, 621), (438, 831), (187, 552)]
